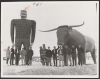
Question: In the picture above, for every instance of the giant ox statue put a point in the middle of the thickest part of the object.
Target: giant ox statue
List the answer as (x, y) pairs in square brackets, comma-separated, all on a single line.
[(68, 36)]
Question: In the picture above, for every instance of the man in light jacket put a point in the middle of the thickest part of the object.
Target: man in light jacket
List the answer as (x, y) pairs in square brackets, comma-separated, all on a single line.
[(23, 53), (61, 56)]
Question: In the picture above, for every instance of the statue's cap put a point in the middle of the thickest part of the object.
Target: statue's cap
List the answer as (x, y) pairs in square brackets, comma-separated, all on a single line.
[(23, 12), (43, 44)]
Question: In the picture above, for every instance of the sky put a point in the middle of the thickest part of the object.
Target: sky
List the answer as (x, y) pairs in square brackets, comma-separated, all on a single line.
[(50, 15)]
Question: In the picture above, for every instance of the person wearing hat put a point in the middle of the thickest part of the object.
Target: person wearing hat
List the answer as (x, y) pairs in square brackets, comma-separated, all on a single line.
[(25, 29)]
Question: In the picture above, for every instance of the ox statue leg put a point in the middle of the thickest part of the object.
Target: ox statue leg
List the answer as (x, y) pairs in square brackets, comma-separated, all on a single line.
[(84, 58), (93, 54)]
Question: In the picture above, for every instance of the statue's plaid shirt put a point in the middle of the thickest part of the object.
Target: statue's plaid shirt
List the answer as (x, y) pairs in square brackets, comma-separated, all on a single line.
[(24, 29)]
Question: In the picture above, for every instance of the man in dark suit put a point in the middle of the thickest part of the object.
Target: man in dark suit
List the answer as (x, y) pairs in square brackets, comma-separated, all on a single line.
[(12, 56), (73, 52), (65, 50), (54, 53), (49, 55), (17, 56), (80, 55)]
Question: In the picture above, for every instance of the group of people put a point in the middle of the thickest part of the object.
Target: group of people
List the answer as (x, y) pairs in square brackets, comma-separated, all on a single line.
[(15, 54), (63, 54)]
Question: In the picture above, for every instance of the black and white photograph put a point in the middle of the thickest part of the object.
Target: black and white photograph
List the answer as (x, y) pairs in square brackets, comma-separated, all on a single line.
[(50, 39)]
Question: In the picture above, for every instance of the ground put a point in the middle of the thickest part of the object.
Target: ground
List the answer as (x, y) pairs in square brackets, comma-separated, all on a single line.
[(38, 69)]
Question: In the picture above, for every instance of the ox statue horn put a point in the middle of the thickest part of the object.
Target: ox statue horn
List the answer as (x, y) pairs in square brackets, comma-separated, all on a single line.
[(49, 30), (77, 25)]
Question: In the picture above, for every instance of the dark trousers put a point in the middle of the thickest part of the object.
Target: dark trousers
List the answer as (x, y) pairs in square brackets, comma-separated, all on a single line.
[(7, 60), (80, 59), (55, 61), (74, 59), (26, 44), (17, 61), (11, 61), (65, 59), (46, 62), (80, 62), (27, 60)]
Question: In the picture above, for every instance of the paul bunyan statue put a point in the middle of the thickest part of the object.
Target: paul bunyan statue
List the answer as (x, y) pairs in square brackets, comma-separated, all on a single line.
[(25, 31)]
